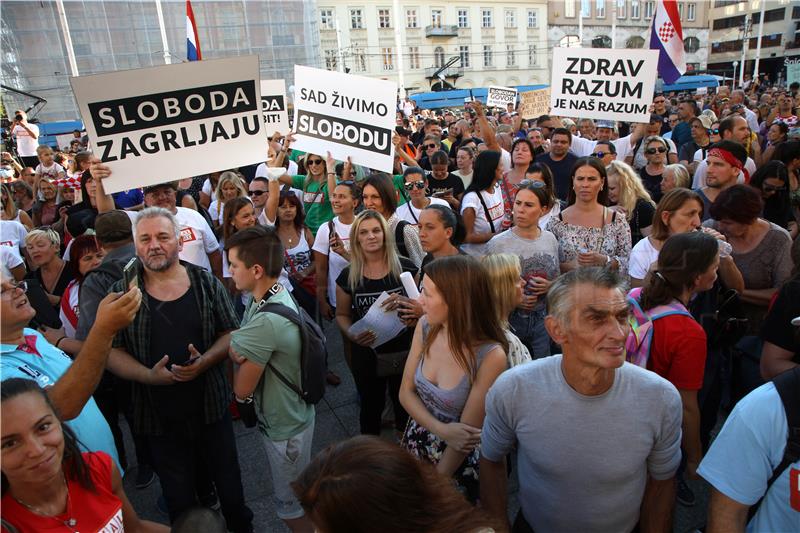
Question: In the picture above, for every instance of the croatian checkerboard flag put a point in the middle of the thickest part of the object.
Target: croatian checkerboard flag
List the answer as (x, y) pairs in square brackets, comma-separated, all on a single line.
[(666, 36), (192, 41)]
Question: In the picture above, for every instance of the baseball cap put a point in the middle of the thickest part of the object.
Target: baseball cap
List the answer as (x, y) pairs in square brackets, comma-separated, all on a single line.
[(605, 124), (113, 226), (705, 120), (151, 188)]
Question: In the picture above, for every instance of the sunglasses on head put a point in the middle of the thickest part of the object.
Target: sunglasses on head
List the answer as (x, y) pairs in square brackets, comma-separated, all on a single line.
[(315, 161), (771, 188), (257, 193), (531, 184), (651, 151), (410, 186), (349, 183)]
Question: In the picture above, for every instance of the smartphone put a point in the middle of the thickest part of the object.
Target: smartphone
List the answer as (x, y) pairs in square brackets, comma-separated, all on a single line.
[(130, 273), (440, 194)]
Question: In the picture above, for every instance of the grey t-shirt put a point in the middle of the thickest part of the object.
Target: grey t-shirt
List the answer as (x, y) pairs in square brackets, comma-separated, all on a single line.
[(583, 460)]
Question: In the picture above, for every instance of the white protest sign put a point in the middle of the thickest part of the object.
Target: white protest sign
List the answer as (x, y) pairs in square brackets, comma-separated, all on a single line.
[(345, 115), (603, 83), (500, 97), (534, 104), (273, 106), (701, 90), (166, 123)]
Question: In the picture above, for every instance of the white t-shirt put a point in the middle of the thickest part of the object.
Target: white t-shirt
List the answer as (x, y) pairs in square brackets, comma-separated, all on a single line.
[(216, 211), (699, 180), (197, 237), (12, 234), (585, 147), (505, 159), (466, 178), (26, 144), (9, 257), (494, 203), (410, 214), (643, 255), (336, 263), (53, 172)]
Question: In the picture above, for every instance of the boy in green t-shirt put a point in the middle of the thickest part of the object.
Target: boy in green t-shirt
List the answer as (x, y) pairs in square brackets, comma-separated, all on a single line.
[(255, 258)]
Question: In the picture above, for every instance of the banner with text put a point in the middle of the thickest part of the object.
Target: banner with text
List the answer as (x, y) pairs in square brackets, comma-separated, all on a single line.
[(500, 97), (273, 106), (603, 83), (166, 123), (534, 104), (345, 115)]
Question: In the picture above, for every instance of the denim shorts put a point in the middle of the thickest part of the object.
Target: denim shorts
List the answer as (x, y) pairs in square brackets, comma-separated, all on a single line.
[(287, 458)]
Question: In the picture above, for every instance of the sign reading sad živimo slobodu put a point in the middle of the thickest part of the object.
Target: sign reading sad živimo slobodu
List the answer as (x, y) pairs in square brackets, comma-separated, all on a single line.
[(602, 83), (175, 121)]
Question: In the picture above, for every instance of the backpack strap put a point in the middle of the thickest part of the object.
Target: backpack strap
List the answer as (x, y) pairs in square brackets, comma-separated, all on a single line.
[(788, 386), (296, 318)]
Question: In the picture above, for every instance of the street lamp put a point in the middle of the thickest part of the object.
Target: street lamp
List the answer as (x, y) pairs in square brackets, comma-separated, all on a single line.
[(733, 80)]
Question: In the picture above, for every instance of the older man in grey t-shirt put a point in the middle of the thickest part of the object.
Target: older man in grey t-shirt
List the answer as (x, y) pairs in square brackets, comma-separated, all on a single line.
[(598, 439)]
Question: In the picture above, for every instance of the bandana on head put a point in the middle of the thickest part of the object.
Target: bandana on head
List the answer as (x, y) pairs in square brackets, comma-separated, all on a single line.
[(731, 159)]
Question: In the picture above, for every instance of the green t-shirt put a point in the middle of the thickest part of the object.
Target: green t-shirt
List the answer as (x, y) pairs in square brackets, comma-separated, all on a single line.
[(267, 337), (399, 183), (316, 202)]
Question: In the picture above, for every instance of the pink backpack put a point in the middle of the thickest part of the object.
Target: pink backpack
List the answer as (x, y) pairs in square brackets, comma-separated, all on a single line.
[(640, 338)]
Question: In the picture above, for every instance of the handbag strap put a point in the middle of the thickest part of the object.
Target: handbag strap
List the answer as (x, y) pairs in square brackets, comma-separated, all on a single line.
[(486, 211)]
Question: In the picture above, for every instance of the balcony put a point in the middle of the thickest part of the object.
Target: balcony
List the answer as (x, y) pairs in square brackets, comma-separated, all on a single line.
[(441, 31), (452, 72)]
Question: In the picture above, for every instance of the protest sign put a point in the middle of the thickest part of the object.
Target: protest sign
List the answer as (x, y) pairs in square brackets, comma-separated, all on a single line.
[(500, 97), (273, 106), (166, 123), (603, 83), (534, 104), (792, 70), (345, 115)]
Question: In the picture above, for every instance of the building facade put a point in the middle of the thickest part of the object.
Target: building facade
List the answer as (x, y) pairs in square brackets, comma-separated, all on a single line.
[(626, 24), (117, 35), (734, 36), (481, 43)]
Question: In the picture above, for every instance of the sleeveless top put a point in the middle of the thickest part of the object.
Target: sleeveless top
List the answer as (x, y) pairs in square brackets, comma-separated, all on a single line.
[(298, 258), (446, 404)]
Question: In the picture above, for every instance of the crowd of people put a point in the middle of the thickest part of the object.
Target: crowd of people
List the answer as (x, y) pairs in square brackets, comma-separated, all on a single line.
[(586, 297)]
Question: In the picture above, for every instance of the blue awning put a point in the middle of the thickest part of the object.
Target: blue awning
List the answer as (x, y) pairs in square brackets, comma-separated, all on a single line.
[(455, 98), (687, 83)]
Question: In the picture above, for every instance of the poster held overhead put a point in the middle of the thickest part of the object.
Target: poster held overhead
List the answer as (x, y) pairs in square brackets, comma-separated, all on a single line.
[(171, 122), (602, 83), (345, 115), (534, 104), (273, 106), (500, 97)]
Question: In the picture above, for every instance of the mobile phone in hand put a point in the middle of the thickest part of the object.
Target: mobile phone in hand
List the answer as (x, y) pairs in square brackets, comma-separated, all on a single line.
[(130, 273)]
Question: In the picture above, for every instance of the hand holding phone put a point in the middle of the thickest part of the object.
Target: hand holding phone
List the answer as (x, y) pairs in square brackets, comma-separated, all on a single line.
[(130, 273)]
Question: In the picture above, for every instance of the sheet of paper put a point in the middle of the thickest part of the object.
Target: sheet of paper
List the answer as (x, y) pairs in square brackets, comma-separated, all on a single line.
[(386, 324)]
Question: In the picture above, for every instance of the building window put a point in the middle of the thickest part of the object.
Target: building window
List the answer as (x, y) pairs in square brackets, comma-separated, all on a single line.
[(600, 11), (634, 9), (680, 10), (331, 59), (388, 58), (691, 44), (570, 41), (438, 57), (692, 67), (411, 18), (511, 56), (532, 55), (384, 20), (463, 18), (486, 18), (648, 10), (569, 8), (511, 18), (634, 42), (690, 12), (413, 57), (356, 19), (601, 41), (622, 10), (359, 59), (586, 8), (532, 18), (463, 52), (436, 18), (326, 19), (487, 55)]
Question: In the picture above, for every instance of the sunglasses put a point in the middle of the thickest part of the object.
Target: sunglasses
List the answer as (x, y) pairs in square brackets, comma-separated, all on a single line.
[(659, 101), (771, 188), (714, 131), (410, 186), (257, 193), (349, 183), (601, 155), (651, 151), (315, 161), (430, 146), (531, 184)]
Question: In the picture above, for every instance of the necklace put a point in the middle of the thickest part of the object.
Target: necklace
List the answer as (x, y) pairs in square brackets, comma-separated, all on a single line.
[(70, 522)]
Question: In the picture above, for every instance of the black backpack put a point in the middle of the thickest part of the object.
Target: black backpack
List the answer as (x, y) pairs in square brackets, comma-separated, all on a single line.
[(313, 355), (788, 386)]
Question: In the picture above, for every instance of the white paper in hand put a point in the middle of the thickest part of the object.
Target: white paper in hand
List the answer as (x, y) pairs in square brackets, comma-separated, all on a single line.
[(386, 324)]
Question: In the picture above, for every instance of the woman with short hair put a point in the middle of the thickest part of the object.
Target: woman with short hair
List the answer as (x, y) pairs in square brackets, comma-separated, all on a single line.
[(675, 176), (52, 272), (656, 152)]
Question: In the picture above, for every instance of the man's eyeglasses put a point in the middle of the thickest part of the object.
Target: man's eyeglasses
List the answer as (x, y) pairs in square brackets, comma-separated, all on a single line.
[(771, 188), (651, 151), (410, 186), (601, 155), (315, 161), (257, 193), (430, 146), (9, 291)]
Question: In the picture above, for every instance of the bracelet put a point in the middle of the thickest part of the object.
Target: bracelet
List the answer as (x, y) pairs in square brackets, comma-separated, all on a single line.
[(59, 341), (331, 173), (608, 260)]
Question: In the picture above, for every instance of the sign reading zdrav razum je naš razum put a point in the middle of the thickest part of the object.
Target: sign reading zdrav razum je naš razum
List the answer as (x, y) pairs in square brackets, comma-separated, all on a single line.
[(345, 115), (273, 106), (500, 96), (171, 122), (603, 83)]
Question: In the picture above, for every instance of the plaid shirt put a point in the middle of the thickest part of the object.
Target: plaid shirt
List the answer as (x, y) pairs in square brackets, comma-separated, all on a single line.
[(217, 317)]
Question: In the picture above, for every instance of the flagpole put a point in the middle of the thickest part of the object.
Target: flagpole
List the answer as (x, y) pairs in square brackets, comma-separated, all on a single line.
[(164, 43), (758, 44), (62, 17)]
